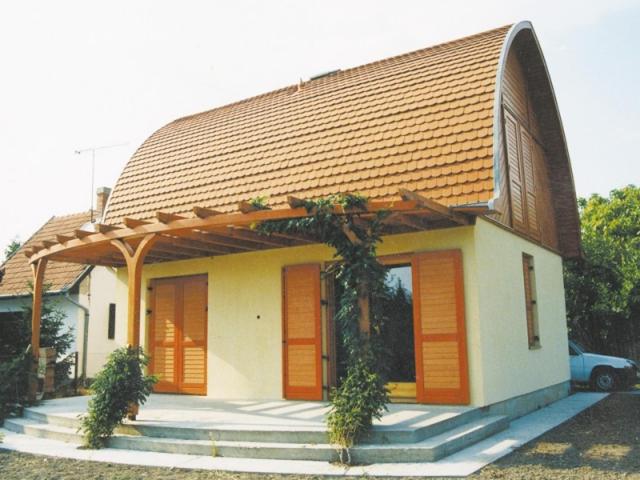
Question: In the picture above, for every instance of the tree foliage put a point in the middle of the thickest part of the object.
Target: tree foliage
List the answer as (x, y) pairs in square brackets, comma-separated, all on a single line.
[(603, 288), (16, 356), (12, 248), (362, 395), (120, 384), (15, 334)]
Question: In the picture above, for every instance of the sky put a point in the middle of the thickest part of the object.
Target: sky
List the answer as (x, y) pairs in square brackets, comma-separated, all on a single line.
[(82, 74)]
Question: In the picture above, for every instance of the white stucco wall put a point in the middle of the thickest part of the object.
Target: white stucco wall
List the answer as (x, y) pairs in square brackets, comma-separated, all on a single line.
[(102, 292), (509, 367)]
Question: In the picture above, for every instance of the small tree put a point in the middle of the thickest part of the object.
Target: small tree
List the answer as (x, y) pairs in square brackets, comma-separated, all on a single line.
[(12, 248), (16, 356), (15, 335), (603, 287), (119, 384)]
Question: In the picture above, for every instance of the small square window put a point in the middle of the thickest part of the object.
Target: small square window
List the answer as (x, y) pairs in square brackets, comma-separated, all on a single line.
[(111, 333)]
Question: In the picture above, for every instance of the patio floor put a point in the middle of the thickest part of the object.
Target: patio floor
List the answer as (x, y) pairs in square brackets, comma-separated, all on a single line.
[(202, 412)]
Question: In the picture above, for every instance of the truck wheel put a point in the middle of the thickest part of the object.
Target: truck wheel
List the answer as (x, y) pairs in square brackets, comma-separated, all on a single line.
[(604, 380)]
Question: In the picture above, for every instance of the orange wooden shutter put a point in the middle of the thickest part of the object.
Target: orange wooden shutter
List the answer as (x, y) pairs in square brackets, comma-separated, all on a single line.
[(302, 341), (163, 335), (529, 182), (439, 328), (194, 335), (515, 175), (527, 266)]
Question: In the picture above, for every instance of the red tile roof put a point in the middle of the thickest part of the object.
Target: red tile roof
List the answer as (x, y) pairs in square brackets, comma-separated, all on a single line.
[(423, 121), (59, 276)]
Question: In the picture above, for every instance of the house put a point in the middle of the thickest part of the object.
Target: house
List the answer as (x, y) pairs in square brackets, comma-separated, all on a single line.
[(82, 292), (461, 142)]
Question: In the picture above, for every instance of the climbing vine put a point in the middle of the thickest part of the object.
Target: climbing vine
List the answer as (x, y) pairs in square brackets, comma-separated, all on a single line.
[(338, 222)]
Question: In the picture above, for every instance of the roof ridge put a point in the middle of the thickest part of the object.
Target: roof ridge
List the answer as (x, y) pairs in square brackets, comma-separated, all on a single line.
[(340, 72), (67, 215)]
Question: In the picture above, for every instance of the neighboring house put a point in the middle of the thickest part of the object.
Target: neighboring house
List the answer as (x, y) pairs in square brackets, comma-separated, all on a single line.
[(83, 293), (461, 142)]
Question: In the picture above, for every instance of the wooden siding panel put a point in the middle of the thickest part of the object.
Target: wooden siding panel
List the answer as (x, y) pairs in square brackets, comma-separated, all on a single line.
[(302, 341), (514, 87), (439, 328), (544, 201)]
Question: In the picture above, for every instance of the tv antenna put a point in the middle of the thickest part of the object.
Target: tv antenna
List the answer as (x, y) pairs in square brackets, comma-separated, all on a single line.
[(93, 165)]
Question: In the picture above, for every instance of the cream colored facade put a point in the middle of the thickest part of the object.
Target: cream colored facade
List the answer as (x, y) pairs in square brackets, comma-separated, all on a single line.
[(101, 289), (245, 312)]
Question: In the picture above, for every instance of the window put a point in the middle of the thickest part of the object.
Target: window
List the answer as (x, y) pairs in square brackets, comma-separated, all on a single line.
[(111, 334), (530, 301)]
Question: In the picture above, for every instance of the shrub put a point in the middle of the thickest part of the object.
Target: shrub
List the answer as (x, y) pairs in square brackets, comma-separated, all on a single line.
[(14, 375), (360, 398), (119, 384)]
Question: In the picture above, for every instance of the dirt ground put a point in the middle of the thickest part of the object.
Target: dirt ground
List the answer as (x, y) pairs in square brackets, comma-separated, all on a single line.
[(600, 443)]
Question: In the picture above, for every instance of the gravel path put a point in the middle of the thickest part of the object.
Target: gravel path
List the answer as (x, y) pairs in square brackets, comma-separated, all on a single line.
[(600, 443)]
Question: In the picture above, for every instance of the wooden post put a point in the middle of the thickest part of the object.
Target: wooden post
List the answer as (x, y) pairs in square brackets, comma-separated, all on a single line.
[(135, 261), (36, 312), (365, 320)]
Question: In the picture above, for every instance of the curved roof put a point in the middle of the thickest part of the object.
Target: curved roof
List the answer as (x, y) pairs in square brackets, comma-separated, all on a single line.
[(421, 121)]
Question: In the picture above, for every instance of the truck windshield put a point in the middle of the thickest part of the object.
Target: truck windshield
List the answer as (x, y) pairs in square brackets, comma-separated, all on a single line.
[(577, 347)]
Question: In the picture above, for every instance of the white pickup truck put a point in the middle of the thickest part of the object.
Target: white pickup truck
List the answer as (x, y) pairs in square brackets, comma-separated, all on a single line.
[(602, 372)]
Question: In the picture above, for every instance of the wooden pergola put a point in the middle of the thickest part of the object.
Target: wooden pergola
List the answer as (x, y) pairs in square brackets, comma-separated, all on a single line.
[(208, 233)]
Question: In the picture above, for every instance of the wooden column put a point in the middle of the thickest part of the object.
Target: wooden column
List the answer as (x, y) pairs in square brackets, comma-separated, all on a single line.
[(135, 261), (38, 282)]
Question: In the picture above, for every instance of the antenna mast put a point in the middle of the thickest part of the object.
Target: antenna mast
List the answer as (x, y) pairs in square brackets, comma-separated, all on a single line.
[(93, 166)]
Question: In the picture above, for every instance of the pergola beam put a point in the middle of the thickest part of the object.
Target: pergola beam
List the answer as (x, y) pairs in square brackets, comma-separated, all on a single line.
[(79, 233), (63, 238), (202, 212), (179, 227), (433, 206), (102, 228), (133, 222), (248, 207), (164, 217)]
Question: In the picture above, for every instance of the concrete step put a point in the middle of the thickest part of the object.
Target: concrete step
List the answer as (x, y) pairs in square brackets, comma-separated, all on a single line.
[(270, 433), (430, 449)]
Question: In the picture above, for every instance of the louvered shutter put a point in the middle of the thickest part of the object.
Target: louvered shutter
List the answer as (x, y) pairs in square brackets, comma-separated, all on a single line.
[(529, 182), (164, 335), (439, 327), (194, 335), (302, 341), (516, 186)]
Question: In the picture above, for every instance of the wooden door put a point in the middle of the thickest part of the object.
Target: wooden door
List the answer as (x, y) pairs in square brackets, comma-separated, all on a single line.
[(178, 334), (439, 324), (301, 330)]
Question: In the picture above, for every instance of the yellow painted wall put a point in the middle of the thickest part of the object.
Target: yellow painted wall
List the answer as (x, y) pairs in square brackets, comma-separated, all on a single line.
[(509, 367), (245, 312), (245, 309)]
